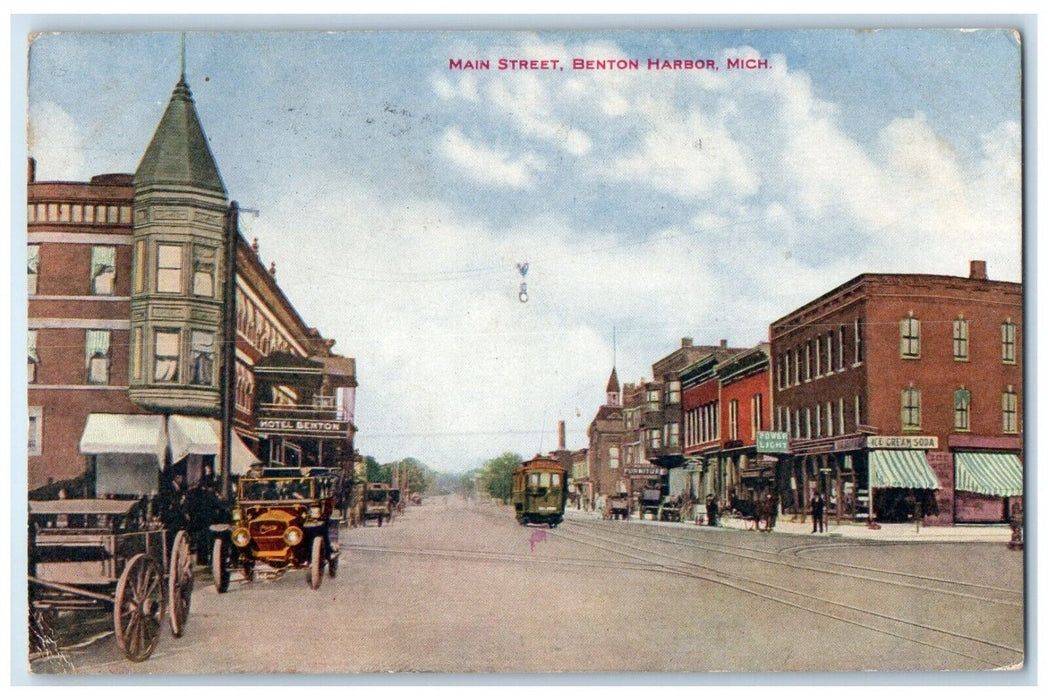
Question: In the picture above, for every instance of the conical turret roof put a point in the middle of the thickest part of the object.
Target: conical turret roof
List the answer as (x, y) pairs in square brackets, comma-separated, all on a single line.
[(613, 382), (178, 154)]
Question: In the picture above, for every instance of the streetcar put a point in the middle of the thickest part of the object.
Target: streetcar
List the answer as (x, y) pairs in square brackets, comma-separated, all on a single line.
[(539, 492)]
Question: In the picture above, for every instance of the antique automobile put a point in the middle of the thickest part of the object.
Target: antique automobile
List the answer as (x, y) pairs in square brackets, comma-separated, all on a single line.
[(284, 519), (378, 504), (649, 502), (539, 492), (617, 507), (108, 554)]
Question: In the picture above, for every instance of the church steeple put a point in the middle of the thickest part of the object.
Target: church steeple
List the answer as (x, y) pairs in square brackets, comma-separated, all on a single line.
[(613, 390), (178, 154)]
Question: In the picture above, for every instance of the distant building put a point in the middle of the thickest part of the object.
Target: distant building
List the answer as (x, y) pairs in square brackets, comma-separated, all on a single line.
[(604, 456), (911, 385)]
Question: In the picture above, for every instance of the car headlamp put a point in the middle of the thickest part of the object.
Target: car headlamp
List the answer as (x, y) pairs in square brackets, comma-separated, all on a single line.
[(241, 537), (293, 535)]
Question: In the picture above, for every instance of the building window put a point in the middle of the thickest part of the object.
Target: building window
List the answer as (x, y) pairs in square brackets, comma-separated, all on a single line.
[(797, 366), (202, 358), (840, 415), (807, 361), (169, 268), (138, 265), (103, 269), (796, 422), (32, 268), (733, 419), (829, 353), (673, 392), (204, 271), (858, 340), (34, 359), (36, 431), (962, 399), (911, 408), (840, 348), (166, 352), (613, 457), (1009, 411), (829, 418), (818, 420), (1008, 342), (807, 423), (960, 340), (653, 399), (654, 439), (672, 434), (818, 356), (910, 337), (788, 362), (96, 357), (858, 411), (757, 409)]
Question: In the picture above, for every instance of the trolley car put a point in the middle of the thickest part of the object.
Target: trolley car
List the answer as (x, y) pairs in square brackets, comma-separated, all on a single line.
[(108, 554), (539, 492)]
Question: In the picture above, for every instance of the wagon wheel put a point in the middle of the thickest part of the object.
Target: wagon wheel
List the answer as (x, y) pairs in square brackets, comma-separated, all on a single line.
[(179, 583), (316, 563), (139, 607), (219, 566)]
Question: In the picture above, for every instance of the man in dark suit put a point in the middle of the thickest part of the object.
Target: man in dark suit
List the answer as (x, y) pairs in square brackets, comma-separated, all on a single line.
[(818, 510)]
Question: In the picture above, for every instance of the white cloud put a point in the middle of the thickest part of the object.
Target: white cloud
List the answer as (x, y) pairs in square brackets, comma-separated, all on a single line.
[(489, 166), (55, 141)]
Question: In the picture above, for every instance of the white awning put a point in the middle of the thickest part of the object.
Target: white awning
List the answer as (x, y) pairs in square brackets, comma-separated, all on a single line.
[(203, 436), (119, 433), (190, 435), (242, 457)]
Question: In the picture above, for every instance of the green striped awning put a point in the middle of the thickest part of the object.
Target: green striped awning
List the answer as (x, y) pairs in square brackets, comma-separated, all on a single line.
[(901, 469), (990, 474)]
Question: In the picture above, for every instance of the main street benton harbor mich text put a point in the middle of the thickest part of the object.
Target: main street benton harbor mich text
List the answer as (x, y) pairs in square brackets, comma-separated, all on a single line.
[(627, 64)]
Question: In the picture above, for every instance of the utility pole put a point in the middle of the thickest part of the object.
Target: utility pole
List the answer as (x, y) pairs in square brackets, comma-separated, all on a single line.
[(229, 340)]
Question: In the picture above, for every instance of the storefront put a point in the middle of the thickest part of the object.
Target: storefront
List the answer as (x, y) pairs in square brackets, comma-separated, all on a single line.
[(900, 477), (985, 483)]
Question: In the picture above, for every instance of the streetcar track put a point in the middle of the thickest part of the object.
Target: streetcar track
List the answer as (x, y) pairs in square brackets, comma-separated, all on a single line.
[(732, 580), (497, 556), (732, 550)]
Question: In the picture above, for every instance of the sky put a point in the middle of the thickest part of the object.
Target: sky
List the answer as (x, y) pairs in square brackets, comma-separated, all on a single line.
[(397, 195)]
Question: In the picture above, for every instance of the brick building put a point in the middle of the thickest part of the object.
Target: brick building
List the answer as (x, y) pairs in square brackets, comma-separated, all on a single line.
[(129, 312), (605, 432), (907, 384)]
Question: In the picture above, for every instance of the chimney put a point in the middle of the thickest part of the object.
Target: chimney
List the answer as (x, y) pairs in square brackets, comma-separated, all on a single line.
[(724, 343), (978, 270), (273, 269), (685, 342), (561, 441), (254, 246), (31, 173)]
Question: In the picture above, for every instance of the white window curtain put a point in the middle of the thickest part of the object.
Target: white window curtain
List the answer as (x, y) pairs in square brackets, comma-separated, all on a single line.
[(96, 356), (103, 269), (202, 349)]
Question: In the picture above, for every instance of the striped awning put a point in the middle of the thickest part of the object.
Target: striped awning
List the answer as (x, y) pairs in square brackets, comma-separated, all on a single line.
[(901, 469), (991, 474)]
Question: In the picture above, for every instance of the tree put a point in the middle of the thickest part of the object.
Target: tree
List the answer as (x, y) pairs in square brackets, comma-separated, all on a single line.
[(497, 474)]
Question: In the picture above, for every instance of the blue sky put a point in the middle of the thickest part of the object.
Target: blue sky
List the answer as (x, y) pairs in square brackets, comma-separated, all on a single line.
[(396, 196)]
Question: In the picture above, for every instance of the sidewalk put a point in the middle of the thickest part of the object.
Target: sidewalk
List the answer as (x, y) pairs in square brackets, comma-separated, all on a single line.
[(888, 532)]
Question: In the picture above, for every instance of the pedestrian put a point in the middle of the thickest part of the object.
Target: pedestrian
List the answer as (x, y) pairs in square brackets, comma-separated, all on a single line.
[(771, 512), (818, 509), (712, 510)]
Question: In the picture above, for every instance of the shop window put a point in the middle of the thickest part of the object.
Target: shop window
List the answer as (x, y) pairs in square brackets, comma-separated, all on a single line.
[(166, 353), (33, 365), (960, 340), (911, 408), (204, 271), (202, 358), (32, 268), (169, 268), (962, 399), (910, 337), (1008, 342), (96, 356), (1009, 411), (35, 443), (103, 269)]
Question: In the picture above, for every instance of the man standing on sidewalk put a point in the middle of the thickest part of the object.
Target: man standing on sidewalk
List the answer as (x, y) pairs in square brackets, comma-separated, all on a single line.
[(818, 508)]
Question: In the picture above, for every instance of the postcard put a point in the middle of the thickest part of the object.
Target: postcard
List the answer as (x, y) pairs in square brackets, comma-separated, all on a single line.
[(535, 351)]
